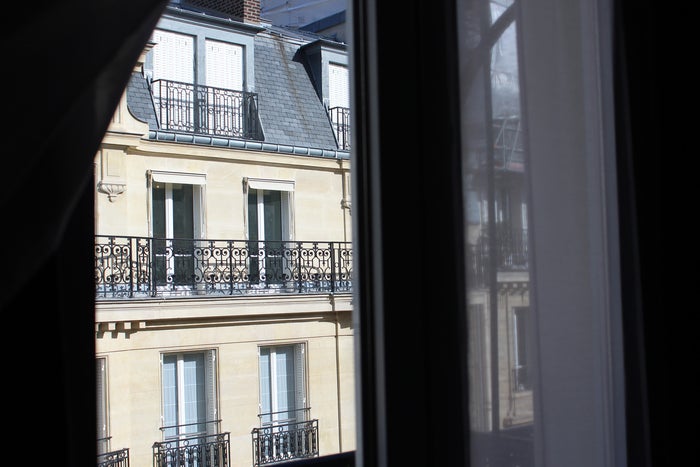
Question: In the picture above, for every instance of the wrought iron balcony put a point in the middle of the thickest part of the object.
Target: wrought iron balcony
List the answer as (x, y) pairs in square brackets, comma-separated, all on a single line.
[(118, 458), (147, 267), (193, 108), (340, 120), (511, 247), (193, 449), (280, 442)]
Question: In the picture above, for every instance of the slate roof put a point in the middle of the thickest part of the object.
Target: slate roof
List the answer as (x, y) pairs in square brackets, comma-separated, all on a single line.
[(291, 112), (139, 100)]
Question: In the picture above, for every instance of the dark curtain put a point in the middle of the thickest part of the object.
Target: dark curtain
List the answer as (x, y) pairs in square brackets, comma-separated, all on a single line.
[(65, 65)]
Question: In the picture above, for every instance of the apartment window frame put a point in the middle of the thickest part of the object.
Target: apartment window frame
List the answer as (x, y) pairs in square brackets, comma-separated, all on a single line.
[(210, 373), (300, 363), (591, 395)]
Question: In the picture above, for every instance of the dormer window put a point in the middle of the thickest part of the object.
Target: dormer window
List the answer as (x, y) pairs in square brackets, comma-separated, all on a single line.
[(198, 85), (339, 103)]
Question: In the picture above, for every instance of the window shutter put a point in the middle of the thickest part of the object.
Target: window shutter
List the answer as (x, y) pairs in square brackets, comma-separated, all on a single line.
[(338, 88), (224, 65), (173, 56), (300, 380), (210, 388), (101, 404)]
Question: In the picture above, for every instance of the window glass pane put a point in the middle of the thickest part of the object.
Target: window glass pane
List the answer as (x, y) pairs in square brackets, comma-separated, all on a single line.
[(170, 394), (265, 382), (195, 402), (285, 383), (158, 214), (273, 215), (498, 272)]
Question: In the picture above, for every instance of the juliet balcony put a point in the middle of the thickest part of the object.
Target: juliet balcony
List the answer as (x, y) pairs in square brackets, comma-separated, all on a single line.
[(206, 110), (285, 439), (128, 267), (340, 120), (191, 445), (506, 252)]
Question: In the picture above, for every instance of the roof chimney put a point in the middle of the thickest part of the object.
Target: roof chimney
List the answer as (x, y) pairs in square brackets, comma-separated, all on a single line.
[(247, 11)]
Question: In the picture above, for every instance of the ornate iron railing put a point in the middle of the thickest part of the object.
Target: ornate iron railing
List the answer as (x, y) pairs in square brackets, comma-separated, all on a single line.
[(340, 120), (143, 267), (118, 458), (285, 441), (193, 450), (511, 246), (193, 108)]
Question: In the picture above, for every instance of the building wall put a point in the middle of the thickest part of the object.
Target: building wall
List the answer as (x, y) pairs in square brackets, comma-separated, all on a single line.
[(132, 334), (133, 365)]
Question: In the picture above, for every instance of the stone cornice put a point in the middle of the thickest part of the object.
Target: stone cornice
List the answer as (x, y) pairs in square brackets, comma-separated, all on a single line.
[(139, 314)]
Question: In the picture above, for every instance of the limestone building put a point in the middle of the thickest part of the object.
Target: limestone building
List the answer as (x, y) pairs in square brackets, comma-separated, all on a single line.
[(223, 257)]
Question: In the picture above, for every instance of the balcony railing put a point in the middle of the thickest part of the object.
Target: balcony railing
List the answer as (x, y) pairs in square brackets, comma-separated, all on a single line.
[(192, 108), (194, 449), (511, 246), (340, 119), (147, 267), (118, 458), (285, 441)]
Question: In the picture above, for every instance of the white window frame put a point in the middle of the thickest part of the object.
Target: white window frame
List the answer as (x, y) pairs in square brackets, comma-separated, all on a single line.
[(210, 387), (300, 379)]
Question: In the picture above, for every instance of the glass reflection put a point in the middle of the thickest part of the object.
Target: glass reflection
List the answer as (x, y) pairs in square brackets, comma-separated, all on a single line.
[(498, 276)]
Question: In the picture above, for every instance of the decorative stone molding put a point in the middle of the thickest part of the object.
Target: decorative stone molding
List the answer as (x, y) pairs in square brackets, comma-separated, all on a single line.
[(111, 189)]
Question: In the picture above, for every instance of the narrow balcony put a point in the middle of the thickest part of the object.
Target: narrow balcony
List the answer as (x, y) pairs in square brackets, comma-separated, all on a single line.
[(192, 108), (511, 249), (192, 449), (146, 267), (119, 458), (340, 120), (285, 440)]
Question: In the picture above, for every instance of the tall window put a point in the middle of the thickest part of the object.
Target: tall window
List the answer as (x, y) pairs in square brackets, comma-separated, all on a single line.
[(338, 87), (282, 385), (521, 341), (173, 56), (222, 110), (189, 394), (268, 230), (339, 103), (176, 222), (173, 78)]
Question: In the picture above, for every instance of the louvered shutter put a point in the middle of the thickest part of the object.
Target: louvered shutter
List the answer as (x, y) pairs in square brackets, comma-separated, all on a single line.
[(338, 88), (300, 381), (210, 388), (173, 56), (102, 445), (224, 65)]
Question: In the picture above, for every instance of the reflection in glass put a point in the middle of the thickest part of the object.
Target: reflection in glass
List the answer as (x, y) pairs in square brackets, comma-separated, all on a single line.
[(498, 273)]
